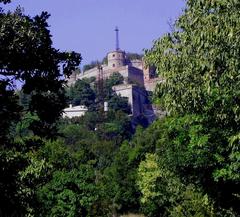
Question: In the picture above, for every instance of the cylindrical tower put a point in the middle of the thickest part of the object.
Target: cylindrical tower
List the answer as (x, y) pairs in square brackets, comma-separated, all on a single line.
[(116, 59)]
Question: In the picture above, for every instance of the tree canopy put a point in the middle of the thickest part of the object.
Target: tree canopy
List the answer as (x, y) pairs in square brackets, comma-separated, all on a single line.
[(201, 68), (27, 56), (199, 61), (81, 93), (185, 164)]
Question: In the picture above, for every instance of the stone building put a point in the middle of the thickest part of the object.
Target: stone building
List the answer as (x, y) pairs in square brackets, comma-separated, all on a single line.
[(138, 79), (74, 111)]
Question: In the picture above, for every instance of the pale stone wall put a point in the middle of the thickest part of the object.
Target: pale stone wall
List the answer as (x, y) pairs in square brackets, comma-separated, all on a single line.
[(107, 72), (137, 97), (137, 64), (116, 59), (125, 90), (88, 74), (139, 100), (138, 79), (123, 70), (136, 76), (151, 84), (76, 111), (130, 74)]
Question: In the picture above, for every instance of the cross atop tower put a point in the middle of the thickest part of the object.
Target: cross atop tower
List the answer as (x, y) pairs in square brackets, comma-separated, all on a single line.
[(117, 38)]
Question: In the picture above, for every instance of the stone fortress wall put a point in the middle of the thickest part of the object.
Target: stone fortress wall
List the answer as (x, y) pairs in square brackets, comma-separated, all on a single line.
[(138, 80)]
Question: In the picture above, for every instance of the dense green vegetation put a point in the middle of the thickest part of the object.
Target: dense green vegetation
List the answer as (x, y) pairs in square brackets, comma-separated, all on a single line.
[(27, 55), (186, 164), (89, 93)]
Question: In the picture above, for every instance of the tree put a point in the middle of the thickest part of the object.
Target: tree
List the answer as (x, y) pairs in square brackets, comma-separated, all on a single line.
[(71, 193), (118, 103), (116, 127), (159, 187), (200, 68), (115, 102), (119, 182), (27, 56), (201, 72), (9, 111), (81, 93), (114, 79), (122, 193)]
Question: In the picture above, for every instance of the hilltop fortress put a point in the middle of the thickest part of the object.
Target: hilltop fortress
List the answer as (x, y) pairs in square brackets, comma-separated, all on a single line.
[(138, 80)]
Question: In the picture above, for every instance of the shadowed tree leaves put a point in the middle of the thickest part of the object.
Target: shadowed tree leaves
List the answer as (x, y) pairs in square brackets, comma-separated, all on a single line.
[(5, 1), (9, 111), (81, 93), (27, 55)]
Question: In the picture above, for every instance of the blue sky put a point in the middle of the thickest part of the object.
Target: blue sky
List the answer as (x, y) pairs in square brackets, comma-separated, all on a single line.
[(87, 26)]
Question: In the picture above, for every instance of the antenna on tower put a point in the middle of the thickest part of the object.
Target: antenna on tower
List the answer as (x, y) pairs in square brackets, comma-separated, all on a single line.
[(117, 38)]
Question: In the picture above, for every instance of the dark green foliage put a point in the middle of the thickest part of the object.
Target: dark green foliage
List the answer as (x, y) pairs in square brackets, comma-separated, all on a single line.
[(86, 92), (81, 93), (97, 138), (80, 141), (90, 120), (186, 164), (185, 171), (120, 189), (119, 103), (201, 72), (115, 102), (187, 145), (32, 59), (95, 145), (11, 162), (24, 100), (201, 67), (120, 178), (61, 179), (9, 111), (115, 79), (57, 155), (116, 127), (20, 174), (27, 55), (5, 1), (22, 128), (70, 193)]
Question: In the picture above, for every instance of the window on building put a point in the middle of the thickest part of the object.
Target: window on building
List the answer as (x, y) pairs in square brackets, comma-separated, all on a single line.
[(113, 65), (113, 55)]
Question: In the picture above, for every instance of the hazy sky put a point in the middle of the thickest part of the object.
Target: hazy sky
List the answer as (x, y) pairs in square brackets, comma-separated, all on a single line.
[(87, 26)]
